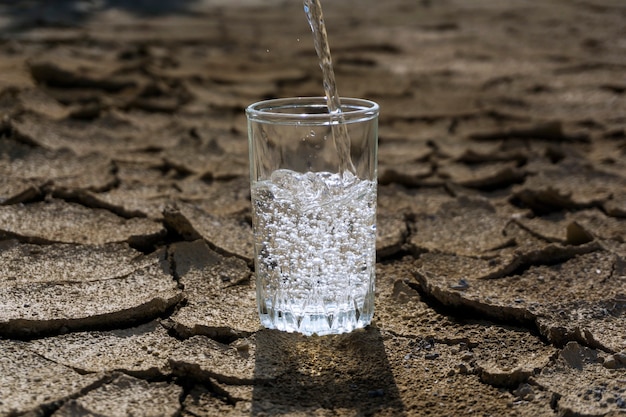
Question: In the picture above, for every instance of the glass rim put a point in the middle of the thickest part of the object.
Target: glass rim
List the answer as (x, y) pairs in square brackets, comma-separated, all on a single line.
[(353, 110)]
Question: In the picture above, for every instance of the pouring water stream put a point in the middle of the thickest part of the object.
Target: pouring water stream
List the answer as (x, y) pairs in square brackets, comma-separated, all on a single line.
[(341, 139)]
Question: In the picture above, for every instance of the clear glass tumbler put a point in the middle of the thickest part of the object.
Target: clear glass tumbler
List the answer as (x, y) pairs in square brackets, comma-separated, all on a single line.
[(313, 185)]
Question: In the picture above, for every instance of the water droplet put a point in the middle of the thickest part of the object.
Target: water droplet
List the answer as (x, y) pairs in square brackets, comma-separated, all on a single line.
[(312, 133)]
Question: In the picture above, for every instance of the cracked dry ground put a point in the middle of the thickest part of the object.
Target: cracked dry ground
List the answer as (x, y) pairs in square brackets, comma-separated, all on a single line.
[(126, 285)]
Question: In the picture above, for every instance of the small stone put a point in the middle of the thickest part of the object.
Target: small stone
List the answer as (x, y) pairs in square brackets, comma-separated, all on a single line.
[(576, 355), (610, 362), (242, 346), (463, 368), (461, 285), (524, 392), (376, 393)]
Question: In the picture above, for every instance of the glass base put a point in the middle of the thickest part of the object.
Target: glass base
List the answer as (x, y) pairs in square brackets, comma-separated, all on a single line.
[(319, 322)]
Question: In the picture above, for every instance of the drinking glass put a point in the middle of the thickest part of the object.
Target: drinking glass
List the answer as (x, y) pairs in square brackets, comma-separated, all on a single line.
[(313, 177)]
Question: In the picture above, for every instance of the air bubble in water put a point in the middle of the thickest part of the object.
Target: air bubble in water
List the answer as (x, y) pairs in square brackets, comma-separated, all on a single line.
[(318, 235)]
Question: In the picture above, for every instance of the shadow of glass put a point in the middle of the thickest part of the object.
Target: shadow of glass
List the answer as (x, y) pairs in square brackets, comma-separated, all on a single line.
[(297, 375)]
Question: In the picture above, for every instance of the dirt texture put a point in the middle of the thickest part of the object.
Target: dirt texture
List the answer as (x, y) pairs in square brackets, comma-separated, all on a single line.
[(126, 266)]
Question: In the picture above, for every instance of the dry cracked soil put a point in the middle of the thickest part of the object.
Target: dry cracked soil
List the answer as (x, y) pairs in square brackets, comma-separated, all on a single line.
[(126, 284)]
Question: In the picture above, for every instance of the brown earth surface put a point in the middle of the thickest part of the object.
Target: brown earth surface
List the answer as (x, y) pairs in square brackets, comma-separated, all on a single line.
[(126, 284)]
